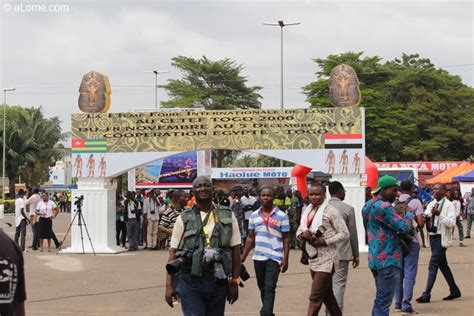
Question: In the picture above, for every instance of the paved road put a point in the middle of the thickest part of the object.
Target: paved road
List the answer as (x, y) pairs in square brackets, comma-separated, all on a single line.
[(133, 284)]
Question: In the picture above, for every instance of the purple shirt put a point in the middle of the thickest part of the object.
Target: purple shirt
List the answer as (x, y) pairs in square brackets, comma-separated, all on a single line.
[(414, 205)]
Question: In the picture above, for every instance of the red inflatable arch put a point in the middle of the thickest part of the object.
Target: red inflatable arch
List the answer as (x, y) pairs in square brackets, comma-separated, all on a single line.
[(300, 172), (372, 173)]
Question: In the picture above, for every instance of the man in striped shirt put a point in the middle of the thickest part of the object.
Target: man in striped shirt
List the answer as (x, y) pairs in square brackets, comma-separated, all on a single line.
[(168, 218), (269, 230)]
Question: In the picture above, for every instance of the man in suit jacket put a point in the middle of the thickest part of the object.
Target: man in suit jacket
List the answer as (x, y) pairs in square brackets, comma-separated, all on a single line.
[(348, 250)]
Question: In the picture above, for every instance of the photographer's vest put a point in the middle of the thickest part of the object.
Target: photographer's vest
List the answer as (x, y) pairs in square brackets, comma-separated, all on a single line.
[(220, 237)]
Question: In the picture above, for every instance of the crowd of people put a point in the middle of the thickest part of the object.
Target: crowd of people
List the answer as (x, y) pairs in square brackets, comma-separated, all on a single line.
[(269, 220), (210, 234)]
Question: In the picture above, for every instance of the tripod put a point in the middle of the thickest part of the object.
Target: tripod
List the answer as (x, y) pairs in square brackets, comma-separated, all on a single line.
[(80, 222)]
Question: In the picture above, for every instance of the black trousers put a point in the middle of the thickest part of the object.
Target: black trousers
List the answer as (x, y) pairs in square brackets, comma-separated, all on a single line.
[(121, 232), (267, 273)]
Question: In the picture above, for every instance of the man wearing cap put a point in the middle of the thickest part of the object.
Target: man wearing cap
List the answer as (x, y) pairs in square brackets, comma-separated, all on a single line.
[(384, 227), (442, 220)]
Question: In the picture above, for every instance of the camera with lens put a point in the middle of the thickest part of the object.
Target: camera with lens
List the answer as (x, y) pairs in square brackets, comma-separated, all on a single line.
[(431, 221), (319, 233), (212, 262), (79, 200), (174, 266), (430, 226)]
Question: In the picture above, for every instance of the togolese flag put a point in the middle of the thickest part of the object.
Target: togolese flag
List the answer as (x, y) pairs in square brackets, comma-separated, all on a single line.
[(89, 145), (342, 141)]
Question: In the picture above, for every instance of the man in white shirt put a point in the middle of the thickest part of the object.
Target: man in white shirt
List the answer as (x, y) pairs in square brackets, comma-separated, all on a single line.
[(151, 207), (247, 201), (442, 220), (21, 220), (32, 202)]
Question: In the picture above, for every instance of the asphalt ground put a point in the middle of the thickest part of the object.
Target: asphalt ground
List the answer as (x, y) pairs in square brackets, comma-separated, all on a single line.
[(133, 283)]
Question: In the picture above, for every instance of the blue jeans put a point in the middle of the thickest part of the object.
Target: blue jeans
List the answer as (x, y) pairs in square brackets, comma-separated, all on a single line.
[(20, 232), (438, 260), (267, 273), (201, 296), (132, 232), (404, 289), (385, 282), (470, 218)]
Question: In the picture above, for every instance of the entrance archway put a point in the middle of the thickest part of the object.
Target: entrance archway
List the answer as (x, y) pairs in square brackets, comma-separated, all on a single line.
[(108, 144)]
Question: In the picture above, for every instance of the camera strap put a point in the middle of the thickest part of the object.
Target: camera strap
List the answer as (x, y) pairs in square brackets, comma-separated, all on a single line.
[(211, 215)]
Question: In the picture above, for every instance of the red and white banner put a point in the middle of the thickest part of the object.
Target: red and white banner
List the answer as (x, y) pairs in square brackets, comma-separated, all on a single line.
[(423, 166)]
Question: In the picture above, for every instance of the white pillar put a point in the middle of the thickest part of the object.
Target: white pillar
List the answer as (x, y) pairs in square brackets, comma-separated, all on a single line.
[(355, 196), (98, 210)]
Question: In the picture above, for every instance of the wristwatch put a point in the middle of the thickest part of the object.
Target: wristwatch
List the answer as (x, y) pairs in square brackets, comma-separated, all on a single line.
[(235, 281)]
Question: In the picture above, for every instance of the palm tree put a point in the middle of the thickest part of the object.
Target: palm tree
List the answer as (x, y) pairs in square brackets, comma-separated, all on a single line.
[(30, 144), (20, 147), (47, 133)]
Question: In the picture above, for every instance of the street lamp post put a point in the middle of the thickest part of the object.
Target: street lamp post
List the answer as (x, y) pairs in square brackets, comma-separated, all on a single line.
[(156, 72), (5, 90), (281, 24)]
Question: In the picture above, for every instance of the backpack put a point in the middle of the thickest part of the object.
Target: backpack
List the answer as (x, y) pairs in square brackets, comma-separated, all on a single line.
[(402, 208)]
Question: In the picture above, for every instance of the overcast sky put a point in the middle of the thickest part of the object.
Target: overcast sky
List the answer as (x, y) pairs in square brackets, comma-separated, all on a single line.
[(45, 54)]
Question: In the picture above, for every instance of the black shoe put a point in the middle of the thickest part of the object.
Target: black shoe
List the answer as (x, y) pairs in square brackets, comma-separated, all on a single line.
[(451, 297), (34, 248), (422, 300), (408, 311), (467, 237), (59, 244)]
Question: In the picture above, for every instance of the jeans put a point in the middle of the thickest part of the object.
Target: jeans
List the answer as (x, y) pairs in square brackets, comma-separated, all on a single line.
[(438, 260), (406, 283), (386, 280), (201, 296), (267, 273), (470, 218), (132, 232), (460, 228), (21, 230)]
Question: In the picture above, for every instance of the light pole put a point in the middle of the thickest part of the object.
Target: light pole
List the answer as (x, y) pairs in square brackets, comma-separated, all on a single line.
[(5, 90), (156, 72), (281, 24)]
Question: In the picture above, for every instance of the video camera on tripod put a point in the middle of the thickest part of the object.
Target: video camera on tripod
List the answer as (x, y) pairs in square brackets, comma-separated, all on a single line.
[(78, 201)]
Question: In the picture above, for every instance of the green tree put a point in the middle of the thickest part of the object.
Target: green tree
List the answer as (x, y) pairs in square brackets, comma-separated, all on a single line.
[(29, 145), (414, 111), (212, 85)]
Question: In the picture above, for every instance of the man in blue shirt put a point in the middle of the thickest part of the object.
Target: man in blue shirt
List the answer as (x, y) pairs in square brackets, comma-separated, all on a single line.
[(269, 230)]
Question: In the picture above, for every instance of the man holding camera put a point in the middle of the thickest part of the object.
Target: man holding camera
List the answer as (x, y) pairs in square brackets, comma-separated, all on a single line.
[(321, 228), (440, 221), (271, 227), (205, 251), (132, 217), (385, 228), (151, 207)]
